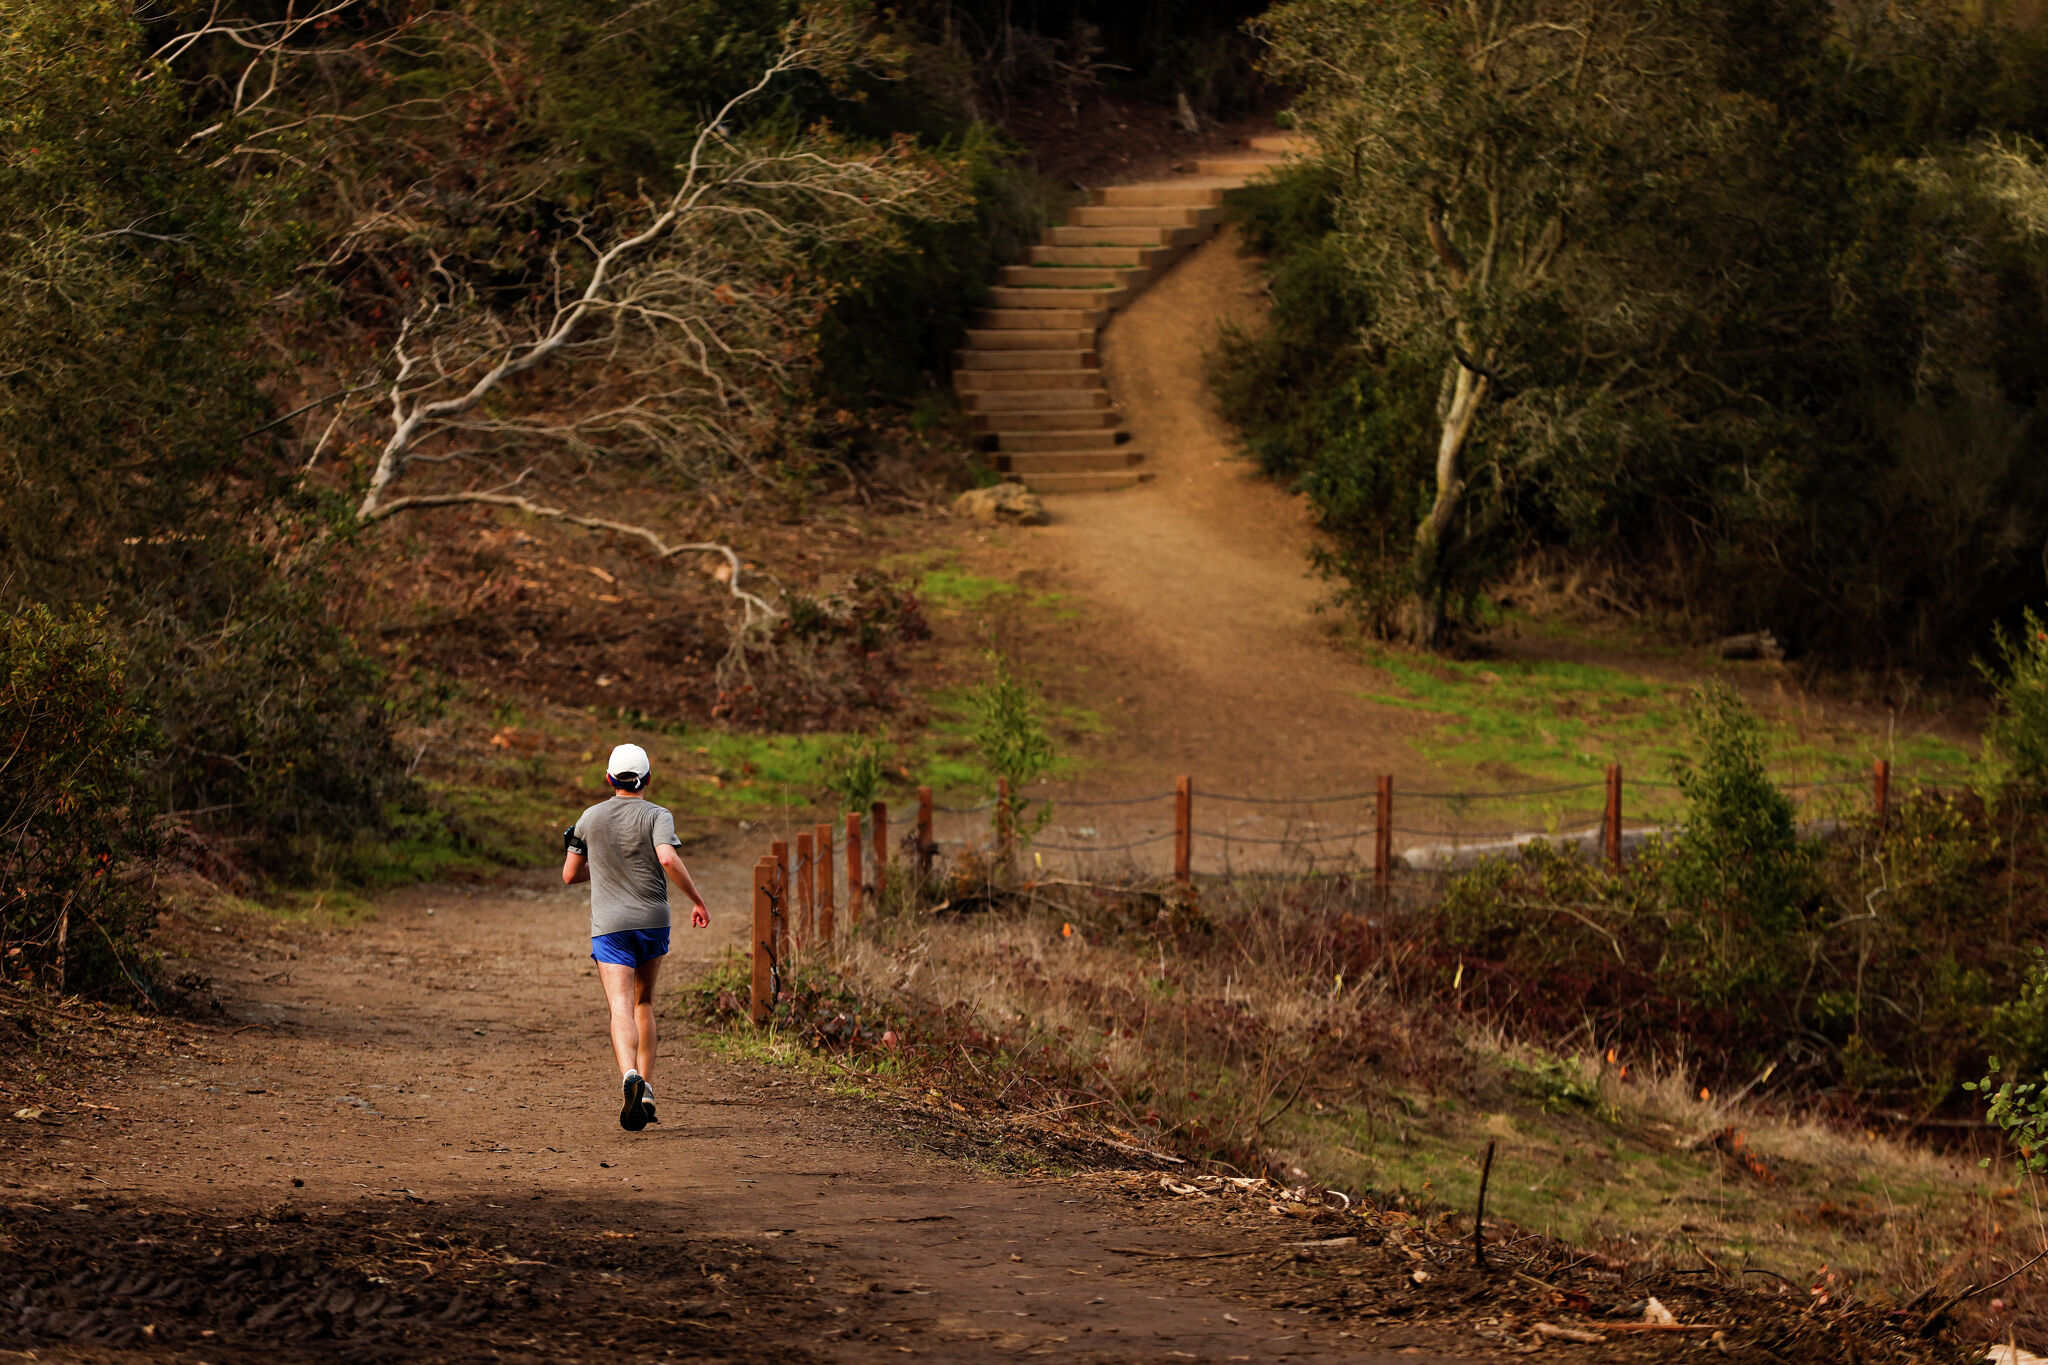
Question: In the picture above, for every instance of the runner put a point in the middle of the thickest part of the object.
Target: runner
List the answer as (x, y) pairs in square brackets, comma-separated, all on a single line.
[(626, 848)]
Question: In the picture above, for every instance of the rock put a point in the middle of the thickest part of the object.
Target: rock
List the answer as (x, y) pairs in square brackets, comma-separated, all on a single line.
[(1757, 644), (1005, 502)]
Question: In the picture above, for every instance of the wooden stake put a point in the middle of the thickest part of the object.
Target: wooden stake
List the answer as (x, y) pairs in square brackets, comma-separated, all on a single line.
[(925, 846), (804, 921), (764, 937), (1383, 838), (855, 892), (1005, 836), (824, 847), (1881, 792), (1612, 824), (879, 813), (1184, 830), (1479, 1219), (779, 851)]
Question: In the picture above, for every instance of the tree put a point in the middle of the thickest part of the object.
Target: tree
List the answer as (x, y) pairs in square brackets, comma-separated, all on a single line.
[(1509, 174)]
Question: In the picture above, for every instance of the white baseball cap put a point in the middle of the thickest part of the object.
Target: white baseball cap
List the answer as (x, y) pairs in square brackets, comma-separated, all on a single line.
[(629, 766)]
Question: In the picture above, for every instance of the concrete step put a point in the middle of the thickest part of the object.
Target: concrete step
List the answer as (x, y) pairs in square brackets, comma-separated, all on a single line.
[(1007, 297), (1101, 482), (991, 381), (1248, 165), (1031, 339), (1004, 317), (1035, 400), (1282, 144), (1033, 442), (1122, 236), (1128, 257), (1159, 196), (1002, 425), (1026, 360), (1069, 461), (1074, 276), (1112, 216)]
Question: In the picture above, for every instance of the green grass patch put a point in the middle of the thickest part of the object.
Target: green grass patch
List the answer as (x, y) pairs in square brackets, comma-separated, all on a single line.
[(1507, 724)]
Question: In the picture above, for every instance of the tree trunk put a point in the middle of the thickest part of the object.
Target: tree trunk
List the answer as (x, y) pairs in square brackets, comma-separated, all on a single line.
[(1428, 623)]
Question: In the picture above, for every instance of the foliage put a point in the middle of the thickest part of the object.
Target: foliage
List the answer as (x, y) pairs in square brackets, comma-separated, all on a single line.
[(855, 770), (2017, 737), (1010, 736), (1740, 847), (78, 823), (1511, 171), (133, 469), (1774, 371), (2020, 1110)]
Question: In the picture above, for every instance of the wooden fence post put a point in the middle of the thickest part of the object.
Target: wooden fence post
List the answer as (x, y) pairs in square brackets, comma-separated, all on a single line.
[(1611, 825), (1383, 837), (824, 846), (764, 938), (1005, 836), (779, 851), (804, 920), (1881, 792), (925, 847), (1184, 830), (879, 813), (855, 892)]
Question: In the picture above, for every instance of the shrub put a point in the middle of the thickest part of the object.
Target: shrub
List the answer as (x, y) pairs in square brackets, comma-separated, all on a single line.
[(2016, 740), (854, 773), (1010, 736), (1740, 852), (78, 828)]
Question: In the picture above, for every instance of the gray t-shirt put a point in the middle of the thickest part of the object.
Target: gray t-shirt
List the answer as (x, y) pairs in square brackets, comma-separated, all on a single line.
[(628, 889)]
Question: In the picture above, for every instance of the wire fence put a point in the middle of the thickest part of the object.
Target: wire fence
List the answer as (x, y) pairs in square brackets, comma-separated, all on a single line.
[(797, 882), (1605, 815)]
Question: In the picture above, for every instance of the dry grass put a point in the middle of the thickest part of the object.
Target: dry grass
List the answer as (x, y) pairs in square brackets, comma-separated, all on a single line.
[(1220, 1027)]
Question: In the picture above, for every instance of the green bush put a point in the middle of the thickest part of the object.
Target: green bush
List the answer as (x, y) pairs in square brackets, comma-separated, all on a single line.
[(78, 825), (2016, 740), (1740, 855), (854, 772), (1010, 738)]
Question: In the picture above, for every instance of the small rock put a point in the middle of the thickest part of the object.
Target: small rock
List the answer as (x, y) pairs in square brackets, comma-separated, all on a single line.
[(1756, 644), (1010, 503)]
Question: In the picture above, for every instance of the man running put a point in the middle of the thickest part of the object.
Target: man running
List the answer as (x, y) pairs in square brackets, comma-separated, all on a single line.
[(626, 848)]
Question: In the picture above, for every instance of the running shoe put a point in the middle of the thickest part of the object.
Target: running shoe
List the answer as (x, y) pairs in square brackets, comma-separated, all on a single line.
[(633, 1117), (647, 1100)]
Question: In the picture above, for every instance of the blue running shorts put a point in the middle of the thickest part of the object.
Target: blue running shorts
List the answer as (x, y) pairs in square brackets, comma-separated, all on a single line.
[(630, 947)]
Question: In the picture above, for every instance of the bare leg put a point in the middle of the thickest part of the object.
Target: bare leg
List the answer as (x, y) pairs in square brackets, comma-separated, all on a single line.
[(643, 1014), (622, 991)]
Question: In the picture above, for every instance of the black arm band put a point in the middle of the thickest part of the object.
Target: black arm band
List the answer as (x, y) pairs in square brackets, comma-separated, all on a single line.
[(572, 844)]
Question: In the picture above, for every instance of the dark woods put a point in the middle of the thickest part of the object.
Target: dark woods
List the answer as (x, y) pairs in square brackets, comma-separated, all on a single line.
[(1758, 336)]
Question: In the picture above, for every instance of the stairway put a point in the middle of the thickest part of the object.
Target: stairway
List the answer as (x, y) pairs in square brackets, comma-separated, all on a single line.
[(1030, 375)]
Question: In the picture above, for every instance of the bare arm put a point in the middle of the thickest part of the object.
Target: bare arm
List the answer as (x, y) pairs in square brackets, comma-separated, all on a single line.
[(672, 863), (575, 868)]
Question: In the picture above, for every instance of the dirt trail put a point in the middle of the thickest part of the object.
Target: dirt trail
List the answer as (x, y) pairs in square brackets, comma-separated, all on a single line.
[(1197, 584), (453, 1052)]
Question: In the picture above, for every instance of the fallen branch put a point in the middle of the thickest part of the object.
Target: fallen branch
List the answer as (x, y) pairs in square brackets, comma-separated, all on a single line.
[(662, 549)]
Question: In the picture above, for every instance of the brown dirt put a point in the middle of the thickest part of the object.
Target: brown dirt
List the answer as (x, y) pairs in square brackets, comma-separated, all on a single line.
[(1204, 645), (399, 1139), (402, 1137)]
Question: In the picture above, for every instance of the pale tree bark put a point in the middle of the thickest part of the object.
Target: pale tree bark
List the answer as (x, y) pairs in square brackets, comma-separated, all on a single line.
[(675, 332)]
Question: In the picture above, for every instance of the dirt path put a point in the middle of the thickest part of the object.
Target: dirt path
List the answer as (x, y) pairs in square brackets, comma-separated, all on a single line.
[(1198, 582), (443, 1073)]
